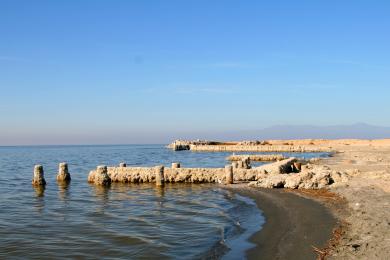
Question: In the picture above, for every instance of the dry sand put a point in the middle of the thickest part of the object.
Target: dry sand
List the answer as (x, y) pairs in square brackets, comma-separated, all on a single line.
[(293, 224), (366, 214), (367, 234), (361, 206)]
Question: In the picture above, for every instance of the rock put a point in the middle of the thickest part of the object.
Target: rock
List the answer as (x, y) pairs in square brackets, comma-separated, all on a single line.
[(294, 181), (122, 164), (272, 181), (297, 167), (176, 165), (321, 180), (280, 167), (339, 177)]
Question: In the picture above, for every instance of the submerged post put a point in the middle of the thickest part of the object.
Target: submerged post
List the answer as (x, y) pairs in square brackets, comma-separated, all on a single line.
[(175, 165), (63, 173), (122, 164), (159, 175), (101, 177), (38, 178), (229, 174)]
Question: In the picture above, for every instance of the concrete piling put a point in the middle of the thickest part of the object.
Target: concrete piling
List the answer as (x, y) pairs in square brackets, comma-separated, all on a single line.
[(159, 175), (122, 164), (38, 178), (175, 165), (63, 172), (229, 174), (101, 177)]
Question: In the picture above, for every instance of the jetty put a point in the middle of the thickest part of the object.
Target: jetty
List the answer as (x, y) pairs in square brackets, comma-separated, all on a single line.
[(247, 146), (159, 174), (257, 157)]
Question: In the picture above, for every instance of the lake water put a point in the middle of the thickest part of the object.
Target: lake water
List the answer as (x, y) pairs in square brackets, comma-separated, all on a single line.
[(132, 221)]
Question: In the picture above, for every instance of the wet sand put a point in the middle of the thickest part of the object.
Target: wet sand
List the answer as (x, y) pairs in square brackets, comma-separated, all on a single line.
[(293, 224)]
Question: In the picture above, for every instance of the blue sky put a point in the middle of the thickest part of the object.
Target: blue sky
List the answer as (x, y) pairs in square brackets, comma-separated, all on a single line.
[(138, 71)]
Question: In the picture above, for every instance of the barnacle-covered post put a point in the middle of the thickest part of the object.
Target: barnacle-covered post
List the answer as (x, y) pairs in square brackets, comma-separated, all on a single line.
[(63, 173), (159, 170), (229, 174), (38, 177)]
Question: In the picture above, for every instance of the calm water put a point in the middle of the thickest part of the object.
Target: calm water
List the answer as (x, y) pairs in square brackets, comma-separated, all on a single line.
[(124, 221)]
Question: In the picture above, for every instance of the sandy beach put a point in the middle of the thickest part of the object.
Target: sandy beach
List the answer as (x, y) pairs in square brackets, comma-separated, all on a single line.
[(367, 214), (362, 208), (293, 224)]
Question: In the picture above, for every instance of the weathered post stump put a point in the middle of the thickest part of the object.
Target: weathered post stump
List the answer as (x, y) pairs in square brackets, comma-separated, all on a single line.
[(122, 164), (229, 174), (101, 176), (241, 164), (159, 175), (175, 165), (63, 173), (247, 163), (38, 178)]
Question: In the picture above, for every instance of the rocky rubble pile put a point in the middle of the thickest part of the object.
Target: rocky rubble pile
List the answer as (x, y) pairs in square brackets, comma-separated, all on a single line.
[(310, 177)]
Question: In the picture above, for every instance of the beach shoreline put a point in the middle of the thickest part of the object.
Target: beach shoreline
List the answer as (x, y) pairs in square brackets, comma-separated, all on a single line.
[(293, 224), (361, 204)]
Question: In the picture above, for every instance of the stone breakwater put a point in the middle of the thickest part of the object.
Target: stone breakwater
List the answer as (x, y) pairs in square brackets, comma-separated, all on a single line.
[(257, 157), (192, 175), (208, 146), (259, 148), (288, 173)]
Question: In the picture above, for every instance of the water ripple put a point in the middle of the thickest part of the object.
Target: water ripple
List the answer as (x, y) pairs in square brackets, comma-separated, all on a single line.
[(124, 221)]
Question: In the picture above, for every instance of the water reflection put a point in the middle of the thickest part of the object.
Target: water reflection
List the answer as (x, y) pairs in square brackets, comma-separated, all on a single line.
[(39, 204), (78, 220), (102, 193), (39, 190), (63, 190), (160, 194)]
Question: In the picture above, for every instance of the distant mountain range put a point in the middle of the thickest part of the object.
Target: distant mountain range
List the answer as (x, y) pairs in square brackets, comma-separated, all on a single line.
[(358, 131), (354, 131)]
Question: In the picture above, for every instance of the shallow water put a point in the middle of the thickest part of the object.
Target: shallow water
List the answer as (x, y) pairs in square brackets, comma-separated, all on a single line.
[(124, 221)]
